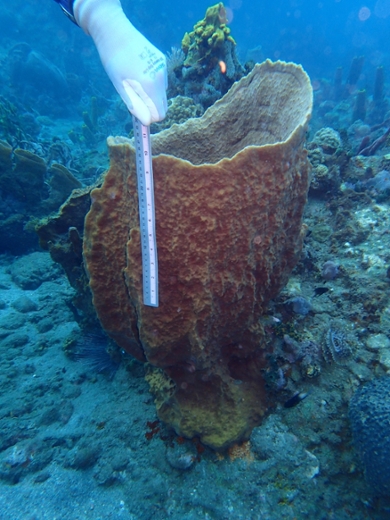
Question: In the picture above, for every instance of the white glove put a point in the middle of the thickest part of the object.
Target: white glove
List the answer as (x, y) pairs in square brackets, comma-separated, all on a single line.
[(136, 68)]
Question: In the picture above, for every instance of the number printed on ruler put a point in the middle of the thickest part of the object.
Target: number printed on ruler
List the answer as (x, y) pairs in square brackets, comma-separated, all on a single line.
[(146, 213)]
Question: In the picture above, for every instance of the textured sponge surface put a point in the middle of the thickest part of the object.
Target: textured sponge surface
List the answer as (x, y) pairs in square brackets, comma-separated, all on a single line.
[(369, 412)]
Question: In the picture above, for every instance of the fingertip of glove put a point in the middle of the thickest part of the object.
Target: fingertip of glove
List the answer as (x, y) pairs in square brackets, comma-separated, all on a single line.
[(135, 104)]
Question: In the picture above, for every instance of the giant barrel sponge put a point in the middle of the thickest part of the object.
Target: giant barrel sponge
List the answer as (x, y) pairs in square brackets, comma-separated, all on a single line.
[(230, 190)]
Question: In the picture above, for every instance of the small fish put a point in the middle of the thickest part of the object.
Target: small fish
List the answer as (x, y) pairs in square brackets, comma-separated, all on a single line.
[(320, 290), (295, 399)]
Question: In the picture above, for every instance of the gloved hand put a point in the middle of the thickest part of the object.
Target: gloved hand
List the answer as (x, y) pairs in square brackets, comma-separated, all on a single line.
[(136, 68)]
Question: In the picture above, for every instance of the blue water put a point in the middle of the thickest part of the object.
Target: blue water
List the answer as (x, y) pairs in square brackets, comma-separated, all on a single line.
[(79, 434), (319, 35)]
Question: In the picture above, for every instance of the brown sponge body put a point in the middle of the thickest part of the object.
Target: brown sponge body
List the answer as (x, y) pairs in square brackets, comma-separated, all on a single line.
[(230, 190)]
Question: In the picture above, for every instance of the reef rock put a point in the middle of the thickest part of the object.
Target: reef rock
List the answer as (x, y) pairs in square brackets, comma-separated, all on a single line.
[(230, 189)]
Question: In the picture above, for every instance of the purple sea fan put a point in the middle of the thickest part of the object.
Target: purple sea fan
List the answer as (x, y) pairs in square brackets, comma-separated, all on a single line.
[(329, 270)]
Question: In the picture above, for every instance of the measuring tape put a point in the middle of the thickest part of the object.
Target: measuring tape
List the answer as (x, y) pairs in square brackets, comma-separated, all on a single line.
[(146, 213)]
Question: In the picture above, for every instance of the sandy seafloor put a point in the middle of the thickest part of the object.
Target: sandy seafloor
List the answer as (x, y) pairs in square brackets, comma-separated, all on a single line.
[(74, 445)]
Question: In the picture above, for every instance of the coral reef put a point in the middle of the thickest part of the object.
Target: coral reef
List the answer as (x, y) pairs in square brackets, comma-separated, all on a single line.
[(324, 155), (359, 100), (359, 111), (203, 45), (369, 148), (161, 386), (10, 124), (328, 140), (61, 235), (32, 74), (337, 347), (96, 352), (306, 353), (329, 270), (380, 184), (175, 62), (210, 63), (369, 412), (299, 305), (32, 188), (180, 108), (205, 334), (322, 337)]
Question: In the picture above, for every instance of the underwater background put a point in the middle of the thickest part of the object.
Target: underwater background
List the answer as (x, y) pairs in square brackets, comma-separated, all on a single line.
[(80, 437)]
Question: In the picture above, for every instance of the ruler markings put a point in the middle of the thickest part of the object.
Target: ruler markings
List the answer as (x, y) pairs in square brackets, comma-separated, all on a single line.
[(146, 213)]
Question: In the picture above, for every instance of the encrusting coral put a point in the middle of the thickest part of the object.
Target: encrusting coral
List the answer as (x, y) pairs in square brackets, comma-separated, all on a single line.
[(230, 189), (180, 108), (210, 64), (204, 43)]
